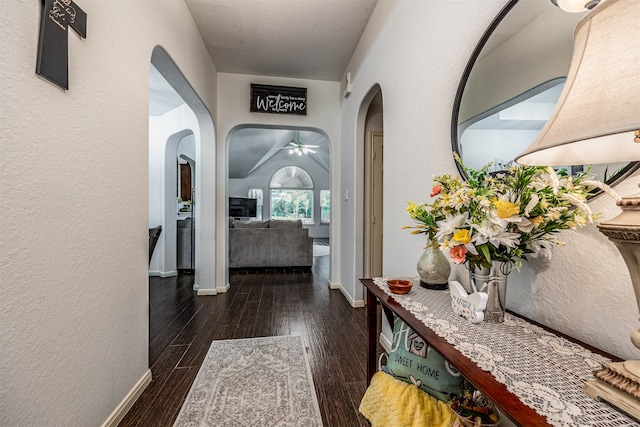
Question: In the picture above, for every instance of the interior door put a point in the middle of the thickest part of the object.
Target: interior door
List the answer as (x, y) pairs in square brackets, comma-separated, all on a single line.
[(374, 194)]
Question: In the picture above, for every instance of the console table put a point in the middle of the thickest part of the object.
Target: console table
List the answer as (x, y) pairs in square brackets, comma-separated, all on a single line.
[(494, 358)]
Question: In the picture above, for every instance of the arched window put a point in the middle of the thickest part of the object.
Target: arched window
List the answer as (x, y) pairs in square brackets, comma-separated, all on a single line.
[(292, 194)]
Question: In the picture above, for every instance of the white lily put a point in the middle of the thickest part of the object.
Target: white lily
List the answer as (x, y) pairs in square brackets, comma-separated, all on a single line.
[(496, 235), (449, 225)]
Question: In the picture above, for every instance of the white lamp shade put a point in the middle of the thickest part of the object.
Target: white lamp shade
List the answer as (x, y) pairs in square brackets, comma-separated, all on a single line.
[(572, 6), (599, 109)]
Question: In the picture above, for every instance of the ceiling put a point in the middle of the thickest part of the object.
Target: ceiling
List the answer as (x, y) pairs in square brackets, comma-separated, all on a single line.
[(307, 39), (250, 147)]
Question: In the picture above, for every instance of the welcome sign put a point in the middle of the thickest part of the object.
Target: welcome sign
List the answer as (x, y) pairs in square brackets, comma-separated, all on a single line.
[(278, 99)]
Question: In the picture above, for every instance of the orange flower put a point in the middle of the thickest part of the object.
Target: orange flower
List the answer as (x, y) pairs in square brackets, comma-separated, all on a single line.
[(435, 190), (457, 254)]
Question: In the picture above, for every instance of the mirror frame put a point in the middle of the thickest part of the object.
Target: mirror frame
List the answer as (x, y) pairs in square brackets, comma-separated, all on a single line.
[(624, 172)]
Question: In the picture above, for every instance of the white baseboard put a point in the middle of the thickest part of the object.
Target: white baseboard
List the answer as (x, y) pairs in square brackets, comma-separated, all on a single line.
[(385, 343), (354, 303), (334, 285), (216, 291), (163, 273), (121, 410)]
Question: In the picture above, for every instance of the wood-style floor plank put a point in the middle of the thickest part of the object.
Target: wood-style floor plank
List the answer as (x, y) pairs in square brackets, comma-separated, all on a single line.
[(260, 302)]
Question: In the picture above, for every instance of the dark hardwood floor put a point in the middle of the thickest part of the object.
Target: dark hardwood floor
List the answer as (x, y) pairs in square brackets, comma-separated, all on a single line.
[(261, 302)]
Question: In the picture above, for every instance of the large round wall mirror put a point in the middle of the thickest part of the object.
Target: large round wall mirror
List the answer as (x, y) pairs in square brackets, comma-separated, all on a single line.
[(511, 85)]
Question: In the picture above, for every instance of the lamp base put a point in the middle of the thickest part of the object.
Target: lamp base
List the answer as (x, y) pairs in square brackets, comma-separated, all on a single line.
[(619, 386)]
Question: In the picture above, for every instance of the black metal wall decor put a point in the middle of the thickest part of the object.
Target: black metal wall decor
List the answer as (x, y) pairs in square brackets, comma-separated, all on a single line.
[(53, 45), (278, 99)]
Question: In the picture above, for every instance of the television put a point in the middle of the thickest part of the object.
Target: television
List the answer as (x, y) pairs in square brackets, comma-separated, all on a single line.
[(243, 207)]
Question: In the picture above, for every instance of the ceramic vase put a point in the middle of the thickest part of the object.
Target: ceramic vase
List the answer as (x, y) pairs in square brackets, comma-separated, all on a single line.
[(493, 281), (433, 269)]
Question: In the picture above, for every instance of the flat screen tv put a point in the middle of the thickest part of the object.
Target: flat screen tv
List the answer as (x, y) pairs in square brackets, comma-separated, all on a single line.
[(243, 207)]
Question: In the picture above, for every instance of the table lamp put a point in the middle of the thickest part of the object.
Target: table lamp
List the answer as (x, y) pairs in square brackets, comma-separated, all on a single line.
[(597, 120)]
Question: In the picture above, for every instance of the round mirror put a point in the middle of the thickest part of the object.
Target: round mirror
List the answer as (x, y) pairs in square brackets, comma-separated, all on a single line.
[(511, 85)]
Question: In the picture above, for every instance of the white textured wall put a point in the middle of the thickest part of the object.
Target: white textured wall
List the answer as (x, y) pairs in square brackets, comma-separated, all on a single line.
[(74, 209), (417, 50), (323, 105)]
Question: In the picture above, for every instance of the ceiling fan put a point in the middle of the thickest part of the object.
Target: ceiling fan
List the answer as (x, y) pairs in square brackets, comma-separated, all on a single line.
[(297, 147)]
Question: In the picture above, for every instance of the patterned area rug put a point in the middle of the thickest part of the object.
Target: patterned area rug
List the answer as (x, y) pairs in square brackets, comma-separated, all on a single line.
[(253, 382)]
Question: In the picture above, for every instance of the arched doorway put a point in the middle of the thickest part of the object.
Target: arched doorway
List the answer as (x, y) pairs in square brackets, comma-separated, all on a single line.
[(177, 117), (373, 192), (257, 152)]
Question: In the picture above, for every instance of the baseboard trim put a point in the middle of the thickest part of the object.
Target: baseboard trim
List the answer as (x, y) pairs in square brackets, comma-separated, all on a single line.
[(352, 302), (334, 285), (223, 289), (202, 292), (121, 410), (163, 273), (385, 343)]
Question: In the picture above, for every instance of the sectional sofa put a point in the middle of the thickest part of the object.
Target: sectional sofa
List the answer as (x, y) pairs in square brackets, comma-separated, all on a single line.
[(272, 243)]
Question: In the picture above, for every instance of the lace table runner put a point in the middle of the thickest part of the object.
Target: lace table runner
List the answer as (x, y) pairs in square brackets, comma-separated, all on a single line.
[(545, 371)]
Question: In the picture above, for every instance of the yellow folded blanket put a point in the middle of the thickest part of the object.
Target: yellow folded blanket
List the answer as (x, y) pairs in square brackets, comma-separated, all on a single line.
[(389, 402)]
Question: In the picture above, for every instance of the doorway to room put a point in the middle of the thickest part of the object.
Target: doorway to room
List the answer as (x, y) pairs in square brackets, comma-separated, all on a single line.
[(172, 148), (373, 187), (286, 172), (178, 122)]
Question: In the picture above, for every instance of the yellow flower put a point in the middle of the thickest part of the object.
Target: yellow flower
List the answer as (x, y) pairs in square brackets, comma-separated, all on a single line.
[(536, 221), (462, 236), (506, 209), (579, 221)]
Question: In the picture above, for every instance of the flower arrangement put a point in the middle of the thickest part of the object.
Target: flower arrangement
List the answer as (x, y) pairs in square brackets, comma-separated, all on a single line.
[(503, 217)]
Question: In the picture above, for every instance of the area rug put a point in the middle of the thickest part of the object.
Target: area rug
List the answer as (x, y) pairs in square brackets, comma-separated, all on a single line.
[(321, 250), (253, 382)]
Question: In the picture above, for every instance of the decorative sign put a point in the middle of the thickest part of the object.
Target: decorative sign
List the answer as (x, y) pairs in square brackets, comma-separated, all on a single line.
[(278, 99), (53, 46), (471, 307)]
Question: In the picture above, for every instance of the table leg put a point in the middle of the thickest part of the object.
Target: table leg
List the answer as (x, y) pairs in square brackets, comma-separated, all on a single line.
[(372, 336)]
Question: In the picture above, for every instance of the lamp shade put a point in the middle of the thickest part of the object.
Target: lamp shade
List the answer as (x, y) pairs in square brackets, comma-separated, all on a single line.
[(599, 109), (572, 6)]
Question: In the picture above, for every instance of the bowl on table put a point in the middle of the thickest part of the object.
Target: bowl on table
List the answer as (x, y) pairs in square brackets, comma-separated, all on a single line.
[(399, 286)]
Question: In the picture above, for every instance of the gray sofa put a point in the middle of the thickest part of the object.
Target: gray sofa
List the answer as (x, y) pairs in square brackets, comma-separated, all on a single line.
[(273, 243)]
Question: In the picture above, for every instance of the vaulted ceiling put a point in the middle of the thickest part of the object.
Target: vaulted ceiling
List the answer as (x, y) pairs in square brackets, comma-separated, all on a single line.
[(251, 147)]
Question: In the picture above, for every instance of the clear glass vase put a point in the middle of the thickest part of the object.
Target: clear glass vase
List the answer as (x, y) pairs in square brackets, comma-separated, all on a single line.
[(493, 281), (434, 268)]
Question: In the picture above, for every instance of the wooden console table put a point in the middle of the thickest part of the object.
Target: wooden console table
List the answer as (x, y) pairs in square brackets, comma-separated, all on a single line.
[(505, 400)]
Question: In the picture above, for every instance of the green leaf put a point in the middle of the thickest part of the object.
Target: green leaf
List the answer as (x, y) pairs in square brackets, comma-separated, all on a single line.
[(484, 249)]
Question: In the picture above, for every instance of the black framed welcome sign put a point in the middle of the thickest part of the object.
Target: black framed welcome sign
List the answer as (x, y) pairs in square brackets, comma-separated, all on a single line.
[(278, 99)]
